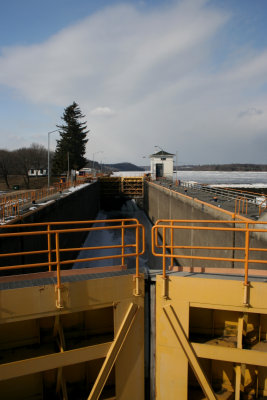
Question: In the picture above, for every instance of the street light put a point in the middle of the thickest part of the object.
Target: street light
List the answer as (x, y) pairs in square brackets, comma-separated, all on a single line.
[(176, 158), (96, 152), (48, 157)]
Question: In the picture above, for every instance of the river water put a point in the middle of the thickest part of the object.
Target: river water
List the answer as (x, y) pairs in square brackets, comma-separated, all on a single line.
[(218, 178)]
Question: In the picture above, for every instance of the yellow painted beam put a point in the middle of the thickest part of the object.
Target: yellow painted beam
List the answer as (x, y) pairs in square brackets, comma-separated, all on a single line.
[(238, 376), (51, 361), (113, 352), (239, 356), (189, 351)]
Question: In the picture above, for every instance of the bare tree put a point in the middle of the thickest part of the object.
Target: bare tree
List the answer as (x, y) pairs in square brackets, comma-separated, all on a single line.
[(39, 157), (34, 157), (6, 165)]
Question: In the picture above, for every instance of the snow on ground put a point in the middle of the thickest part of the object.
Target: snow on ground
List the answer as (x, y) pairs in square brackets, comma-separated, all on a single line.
[(261, 200), (242, 185), (78, 187), (45, 203), (130, 173)]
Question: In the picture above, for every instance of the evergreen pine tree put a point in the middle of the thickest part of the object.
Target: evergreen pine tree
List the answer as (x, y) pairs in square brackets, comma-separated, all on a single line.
[(72, 143)]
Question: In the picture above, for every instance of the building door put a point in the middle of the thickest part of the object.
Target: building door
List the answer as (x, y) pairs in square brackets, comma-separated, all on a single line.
[(159, 170)]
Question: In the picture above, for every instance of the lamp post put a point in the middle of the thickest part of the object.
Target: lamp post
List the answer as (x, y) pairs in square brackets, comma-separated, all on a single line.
[(48, 157), (96, 152), (176, 158)]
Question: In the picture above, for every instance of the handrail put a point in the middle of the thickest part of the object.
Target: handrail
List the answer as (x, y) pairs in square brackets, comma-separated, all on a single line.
[(235, 194), (256, 199), (51, 254), (11, 204), (170, 248), (168, 189), (244, 202)]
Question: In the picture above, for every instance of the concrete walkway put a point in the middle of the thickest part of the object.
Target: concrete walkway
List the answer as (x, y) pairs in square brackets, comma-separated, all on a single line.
[(219, 200)]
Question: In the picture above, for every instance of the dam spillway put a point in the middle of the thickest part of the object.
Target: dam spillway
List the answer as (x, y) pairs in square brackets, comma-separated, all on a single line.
[(88, 335)]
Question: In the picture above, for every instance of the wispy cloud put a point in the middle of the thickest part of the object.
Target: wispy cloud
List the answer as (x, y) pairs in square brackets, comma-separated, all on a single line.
[(155, 68), (102, 112), (250, 112)]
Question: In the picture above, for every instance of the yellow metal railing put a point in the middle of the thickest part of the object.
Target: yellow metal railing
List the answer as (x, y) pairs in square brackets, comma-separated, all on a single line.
[(165, 244), (242, 198), (54, 256), (241, 205), (11, 204)]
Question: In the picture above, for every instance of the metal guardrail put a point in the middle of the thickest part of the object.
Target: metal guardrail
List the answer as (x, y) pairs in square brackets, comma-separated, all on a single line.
[(52, 253), (11, 204), (170, 249), (242, 198)]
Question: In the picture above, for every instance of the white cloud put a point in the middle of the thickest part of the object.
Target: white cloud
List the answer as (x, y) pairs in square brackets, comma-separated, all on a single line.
[(250, 112), (102, 111), (155, 68)]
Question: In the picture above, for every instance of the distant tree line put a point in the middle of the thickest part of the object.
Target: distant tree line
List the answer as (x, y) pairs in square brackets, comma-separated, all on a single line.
[(21, 161), (69, 153), (224, 167)]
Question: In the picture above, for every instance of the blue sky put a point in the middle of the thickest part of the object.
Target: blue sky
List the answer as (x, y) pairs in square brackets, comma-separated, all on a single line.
[(189, 76)]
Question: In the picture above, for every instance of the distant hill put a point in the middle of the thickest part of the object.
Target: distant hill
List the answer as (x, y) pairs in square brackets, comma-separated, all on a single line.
[(224, 167), (125, 166)]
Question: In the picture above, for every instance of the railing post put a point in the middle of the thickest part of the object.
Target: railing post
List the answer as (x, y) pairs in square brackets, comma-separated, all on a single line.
[(58, 287), (137, 275), (171, 266), (246, 283), (49, 246), (164, 294), (122, 244)]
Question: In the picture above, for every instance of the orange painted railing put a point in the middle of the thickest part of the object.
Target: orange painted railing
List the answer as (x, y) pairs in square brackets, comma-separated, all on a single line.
[(165, 245), (241, 205), (11, 204), (54, 256), (242, 198)]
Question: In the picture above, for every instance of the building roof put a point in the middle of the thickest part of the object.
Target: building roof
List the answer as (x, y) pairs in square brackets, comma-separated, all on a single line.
[(161, 153)]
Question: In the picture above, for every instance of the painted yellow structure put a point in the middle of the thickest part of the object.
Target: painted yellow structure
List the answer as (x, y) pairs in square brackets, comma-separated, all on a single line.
[(132, 187), (77, 334), (94, 342), (206, 338)]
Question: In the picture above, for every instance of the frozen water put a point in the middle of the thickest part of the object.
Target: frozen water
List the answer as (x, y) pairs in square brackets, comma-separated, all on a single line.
[(219, 178)]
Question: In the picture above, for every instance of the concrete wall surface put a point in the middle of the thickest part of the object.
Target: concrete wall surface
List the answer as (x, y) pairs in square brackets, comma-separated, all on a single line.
[(79, 205), (163, 203)]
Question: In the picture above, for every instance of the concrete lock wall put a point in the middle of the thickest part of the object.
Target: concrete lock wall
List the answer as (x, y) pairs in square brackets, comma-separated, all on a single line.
[(163, 203), (82, 204)]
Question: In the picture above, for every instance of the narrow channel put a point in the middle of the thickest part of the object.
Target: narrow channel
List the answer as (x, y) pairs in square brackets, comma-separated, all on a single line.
[(129, 209)]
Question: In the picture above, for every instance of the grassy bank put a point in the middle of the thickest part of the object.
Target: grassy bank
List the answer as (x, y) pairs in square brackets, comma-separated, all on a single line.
[(17, 180)]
